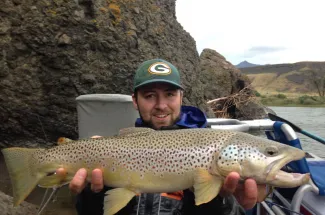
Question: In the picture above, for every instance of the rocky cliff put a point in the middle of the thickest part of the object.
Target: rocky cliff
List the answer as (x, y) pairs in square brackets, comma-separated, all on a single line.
[(220, 79), (53, 51)]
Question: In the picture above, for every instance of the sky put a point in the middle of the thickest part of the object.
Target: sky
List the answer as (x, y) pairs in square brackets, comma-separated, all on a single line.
[(259, 31)]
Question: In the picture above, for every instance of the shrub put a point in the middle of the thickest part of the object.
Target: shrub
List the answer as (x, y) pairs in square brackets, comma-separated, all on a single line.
[(310, 101), (281, 96), (257, 94)]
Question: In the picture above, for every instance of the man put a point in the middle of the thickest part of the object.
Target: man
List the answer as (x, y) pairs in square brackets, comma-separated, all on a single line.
[(157, 95)]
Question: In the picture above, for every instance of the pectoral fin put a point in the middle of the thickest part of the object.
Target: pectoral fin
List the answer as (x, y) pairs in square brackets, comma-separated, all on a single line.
[(63, 140), (117, 199), (206, 186)]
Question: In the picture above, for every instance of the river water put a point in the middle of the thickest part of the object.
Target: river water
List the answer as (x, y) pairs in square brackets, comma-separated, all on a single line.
[(311, 119)]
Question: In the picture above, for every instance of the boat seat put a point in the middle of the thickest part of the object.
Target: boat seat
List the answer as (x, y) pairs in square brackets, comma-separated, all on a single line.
[(317, 172), (315, 168)]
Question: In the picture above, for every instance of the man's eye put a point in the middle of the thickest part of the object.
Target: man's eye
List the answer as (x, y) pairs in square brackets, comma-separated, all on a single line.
[(149, 96), (170, 94)]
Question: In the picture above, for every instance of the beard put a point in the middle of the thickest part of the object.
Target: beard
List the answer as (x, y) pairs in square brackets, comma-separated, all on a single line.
[(149, 124)]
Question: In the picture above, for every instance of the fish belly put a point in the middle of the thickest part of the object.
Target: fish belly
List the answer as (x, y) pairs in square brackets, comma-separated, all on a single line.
[(149, 182)]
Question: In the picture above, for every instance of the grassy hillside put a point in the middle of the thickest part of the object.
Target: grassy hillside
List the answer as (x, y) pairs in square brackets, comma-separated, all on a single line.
[(291, 100), (293, 80), (288, 84)]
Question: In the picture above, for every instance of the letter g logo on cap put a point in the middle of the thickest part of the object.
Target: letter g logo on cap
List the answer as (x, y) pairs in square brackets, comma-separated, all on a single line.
[(160, 69)]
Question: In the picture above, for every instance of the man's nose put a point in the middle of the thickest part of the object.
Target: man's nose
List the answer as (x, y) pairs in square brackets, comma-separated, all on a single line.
[(161, 103)]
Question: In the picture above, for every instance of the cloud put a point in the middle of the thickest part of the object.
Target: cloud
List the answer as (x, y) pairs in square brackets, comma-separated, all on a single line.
[(274, 31), (260, 50), (265, 49)]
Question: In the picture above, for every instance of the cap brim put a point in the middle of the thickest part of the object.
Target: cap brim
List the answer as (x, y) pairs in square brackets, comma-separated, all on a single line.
[(158, 81)]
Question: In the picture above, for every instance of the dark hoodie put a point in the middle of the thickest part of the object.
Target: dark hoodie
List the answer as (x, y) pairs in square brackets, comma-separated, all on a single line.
[(89, 203)]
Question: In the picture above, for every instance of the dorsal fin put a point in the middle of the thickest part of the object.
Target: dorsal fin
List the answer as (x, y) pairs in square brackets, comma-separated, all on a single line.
[(63, 140), (134, 131)]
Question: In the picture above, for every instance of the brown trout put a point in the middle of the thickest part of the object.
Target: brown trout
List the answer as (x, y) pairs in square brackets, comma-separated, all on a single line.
[(142, 160)]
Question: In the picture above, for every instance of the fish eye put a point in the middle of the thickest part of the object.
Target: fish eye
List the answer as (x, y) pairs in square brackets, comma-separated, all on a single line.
[(271, 151)]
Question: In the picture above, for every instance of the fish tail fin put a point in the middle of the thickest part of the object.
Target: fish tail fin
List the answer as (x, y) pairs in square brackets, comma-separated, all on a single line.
[(22, 172)]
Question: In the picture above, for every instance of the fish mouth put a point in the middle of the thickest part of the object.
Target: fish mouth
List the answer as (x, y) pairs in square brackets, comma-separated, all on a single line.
[(279, 178)]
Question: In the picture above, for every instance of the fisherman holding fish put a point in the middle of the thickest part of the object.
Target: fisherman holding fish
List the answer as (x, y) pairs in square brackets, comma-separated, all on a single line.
[(157, 95), (169, 163)]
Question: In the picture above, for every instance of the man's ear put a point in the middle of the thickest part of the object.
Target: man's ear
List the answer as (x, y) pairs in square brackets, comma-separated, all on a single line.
[(181, 95), (134, 100)]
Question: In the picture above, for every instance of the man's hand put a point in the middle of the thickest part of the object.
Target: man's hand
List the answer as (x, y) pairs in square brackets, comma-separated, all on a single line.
[(247, 194), (79, 180)]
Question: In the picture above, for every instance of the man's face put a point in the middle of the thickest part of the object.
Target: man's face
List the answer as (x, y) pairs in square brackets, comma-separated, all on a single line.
[(159, 104)]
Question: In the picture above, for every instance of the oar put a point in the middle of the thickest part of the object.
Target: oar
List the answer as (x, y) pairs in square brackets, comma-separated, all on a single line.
[(296, 128)]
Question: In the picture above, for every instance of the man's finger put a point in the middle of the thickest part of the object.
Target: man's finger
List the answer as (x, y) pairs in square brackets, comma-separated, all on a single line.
[(78, 182), (250, 193), (230, 184), (263, 191), (96, 136), (61, 172), (97, 180)]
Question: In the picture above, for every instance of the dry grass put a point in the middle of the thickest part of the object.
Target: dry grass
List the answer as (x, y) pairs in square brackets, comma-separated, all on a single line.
[(271, 83), (220, 106)]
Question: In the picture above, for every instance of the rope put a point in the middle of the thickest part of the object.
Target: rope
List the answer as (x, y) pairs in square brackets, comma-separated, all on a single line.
[(280, 206)]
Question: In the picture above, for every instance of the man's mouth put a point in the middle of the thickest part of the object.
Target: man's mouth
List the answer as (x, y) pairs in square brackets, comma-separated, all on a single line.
[(161, 116)]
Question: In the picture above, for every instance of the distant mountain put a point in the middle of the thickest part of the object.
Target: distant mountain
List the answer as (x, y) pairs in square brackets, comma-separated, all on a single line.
[(246, 64), (280, 69)]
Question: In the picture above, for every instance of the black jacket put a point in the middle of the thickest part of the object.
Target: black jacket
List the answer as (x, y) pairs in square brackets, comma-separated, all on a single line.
[(89, 203)]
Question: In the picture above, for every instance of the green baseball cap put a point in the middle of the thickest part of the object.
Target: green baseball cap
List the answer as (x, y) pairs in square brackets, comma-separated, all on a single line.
[(156, 70)]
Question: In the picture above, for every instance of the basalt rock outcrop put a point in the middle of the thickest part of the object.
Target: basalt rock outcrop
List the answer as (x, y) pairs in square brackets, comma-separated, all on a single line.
[(6, 207), (220, 79), (53, 51)]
